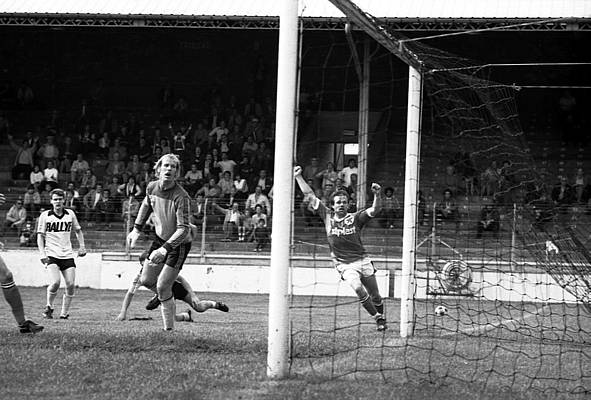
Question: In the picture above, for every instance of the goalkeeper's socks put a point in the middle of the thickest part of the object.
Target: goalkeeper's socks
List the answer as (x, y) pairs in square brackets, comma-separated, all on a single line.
[(168, 310), (379, 307), (13, 298), (368, 305)]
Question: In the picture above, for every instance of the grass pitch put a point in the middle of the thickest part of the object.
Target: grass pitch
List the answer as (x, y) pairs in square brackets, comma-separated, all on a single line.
[(219, 356)]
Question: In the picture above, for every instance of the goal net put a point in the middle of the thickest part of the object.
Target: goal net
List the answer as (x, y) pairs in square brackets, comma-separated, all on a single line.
[(496, 306)]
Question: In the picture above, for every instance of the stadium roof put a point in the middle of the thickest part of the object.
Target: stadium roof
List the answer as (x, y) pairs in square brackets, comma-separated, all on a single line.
[(318, 14)]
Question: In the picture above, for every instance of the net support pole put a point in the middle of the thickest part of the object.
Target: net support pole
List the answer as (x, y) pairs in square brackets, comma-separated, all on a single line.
[(363, 128), (411, 186), (278, 332)]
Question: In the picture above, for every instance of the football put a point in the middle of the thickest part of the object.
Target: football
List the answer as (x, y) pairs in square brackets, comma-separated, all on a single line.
[(440, 311)]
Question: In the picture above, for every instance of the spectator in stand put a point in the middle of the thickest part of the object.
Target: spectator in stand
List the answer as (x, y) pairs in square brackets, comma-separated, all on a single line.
[(390, 209), (115, 166), (261, 236), (562, 195), (245, 230), (179, 140), (87, 143), (264, 181), (105, 208), (232, 220), (116, 197), (258, 197), (489, 180), (193, 180), (119, 148), (129, 210), (226, 146), (134, 166), (241, 187), (210, 168), (259, 215), (311, 171), (490, 220), (346, 172), (144, 150), (249, 148), (23, 163), (48, 152), (72, 198), (263, 158), (340, 185), (226, 185), (580, 182), (451, 180), (68, 149), (197, 210), (87, 183), (36, 177), (199, 136), (146, 175), (197, 158), (50, 175), (130, 188), (254, 129), (210, 190), (103, 146), (16, 217), (447, 209), (328, 175), (32, 201), (227, 165), (79, 168), (90, 202), (218, 131), (246, 169), (45, 197), (468, 175)]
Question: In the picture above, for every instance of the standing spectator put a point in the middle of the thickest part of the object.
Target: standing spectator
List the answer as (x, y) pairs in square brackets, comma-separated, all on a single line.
[(91, 200), (261, 235), (390, 208), (105, 208), (264, 181), (193, 180), (87, 183), (115, 166), (32, 201), (346, 172), (328, 175), (50, 175), (241, 187), (227, 165), (16, 217), (447, 209), (23, 162), (36, 177), (258, 197), (489, 220), (232, 220)]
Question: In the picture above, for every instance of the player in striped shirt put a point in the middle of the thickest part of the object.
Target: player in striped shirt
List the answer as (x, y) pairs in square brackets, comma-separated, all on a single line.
[(13, 296), (54, 232), (169, 203), (343, 231)]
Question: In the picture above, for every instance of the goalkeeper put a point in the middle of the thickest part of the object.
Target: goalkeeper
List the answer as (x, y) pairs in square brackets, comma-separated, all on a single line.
[(343, 231)]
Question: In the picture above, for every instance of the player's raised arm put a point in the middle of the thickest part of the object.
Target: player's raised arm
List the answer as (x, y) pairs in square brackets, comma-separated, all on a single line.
[(376, 206), (304, 187)]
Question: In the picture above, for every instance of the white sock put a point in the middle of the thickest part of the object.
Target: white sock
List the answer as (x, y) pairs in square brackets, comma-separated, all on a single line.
[(66, 301), (168, 310), (51, 297)]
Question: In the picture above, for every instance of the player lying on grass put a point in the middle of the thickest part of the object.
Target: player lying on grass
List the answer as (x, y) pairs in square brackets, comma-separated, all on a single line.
[(343, 231), (13, 296), (181, 290)]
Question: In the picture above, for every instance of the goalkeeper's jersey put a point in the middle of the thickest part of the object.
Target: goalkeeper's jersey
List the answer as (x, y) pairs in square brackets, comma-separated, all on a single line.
[(57, 230), (344, 234)]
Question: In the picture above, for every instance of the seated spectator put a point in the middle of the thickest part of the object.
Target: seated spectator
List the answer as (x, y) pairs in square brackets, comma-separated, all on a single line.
[(264, 181), (103, 145), (261, 236), (241, 187), (134, 166), (489, 220), (130, 188), (16, 217), (23, 163), (263, 157), (119, 148), (50, 175), (258, 197), (144, 151), (259, 215), (226, 146), (210, 168), (447, 209), (115, 166), (197, 209), (226, 185), (246, 169), (232, 220), (451, 180), (45, 198), (48, 152), (193, 180), (32, 201), (390, 209), (210, 190), (489, 180), (36, 177), (87, 183), (105, 208), (129, 210), (562, 195), (78, 168), (73, 201), (249, 149), (346, 172), (227, 165)]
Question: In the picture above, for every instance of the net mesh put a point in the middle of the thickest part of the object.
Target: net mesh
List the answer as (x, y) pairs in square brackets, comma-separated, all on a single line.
[(493, 307)]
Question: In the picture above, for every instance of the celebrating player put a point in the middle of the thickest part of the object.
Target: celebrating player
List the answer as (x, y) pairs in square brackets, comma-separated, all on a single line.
[(343, 231), (170, 204), (13, 296), (55, 249), (181, 289)]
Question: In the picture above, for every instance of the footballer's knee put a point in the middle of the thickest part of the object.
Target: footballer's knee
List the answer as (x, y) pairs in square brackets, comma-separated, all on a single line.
[(53, 287), (70, 289), (5, 276), (164, 291)]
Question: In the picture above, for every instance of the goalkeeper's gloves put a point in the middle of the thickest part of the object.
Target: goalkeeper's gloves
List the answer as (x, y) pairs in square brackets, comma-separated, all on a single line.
[(158, 255), (132, 237)]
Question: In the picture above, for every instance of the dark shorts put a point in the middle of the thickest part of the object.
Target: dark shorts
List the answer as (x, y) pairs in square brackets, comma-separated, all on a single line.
[(62, 263), (175, 258)]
